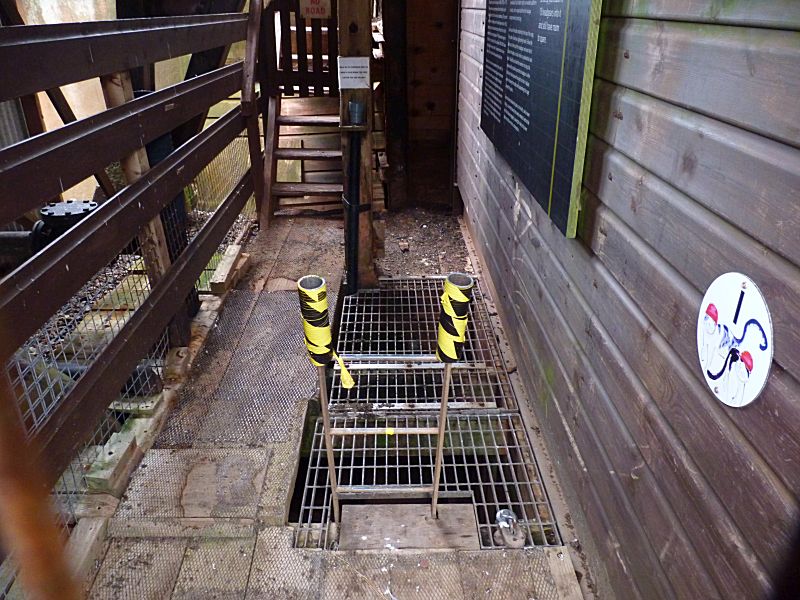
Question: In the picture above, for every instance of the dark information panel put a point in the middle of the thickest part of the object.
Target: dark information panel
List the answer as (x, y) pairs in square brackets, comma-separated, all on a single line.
[(538, 68)]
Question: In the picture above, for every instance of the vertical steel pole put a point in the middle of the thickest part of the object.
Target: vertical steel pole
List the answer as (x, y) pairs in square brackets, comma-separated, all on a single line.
[(326, 428), (448, 368)]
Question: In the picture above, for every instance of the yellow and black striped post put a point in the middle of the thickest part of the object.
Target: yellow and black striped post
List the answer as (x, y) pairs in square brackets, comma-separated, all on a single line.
[(317, 330), (456, 299)]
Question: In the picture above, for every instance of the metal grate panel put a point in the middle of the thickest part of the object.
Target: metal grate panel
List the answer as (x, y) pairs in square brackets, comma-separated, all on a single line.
[(399, 321), (419, 387), (487, 461)]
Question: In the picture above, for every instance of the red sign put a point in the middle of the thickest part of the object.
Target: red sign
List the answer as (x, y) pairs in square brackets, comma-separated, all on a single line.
[(315, 9)]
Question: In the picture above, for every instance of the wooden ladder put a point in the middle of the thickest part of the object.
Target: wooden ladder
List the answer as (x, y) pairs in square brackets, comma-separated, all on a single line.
[(304, 130)]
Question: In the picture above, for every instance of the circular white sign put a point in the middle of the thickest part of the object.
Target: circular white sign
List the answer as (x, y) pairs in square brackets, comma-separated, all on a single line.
[(734, 339)]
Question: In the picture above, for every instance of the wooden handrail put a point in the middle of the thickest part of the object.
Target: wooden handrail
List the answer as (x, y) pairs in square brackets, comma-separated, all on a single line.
[(63, 267), (75, 418), (39, 57), (46, 164)]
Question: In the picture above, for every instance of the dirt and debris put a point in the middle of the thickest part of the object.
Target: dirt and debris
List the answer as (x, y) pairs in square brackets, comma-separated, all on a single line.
[(423, 241)]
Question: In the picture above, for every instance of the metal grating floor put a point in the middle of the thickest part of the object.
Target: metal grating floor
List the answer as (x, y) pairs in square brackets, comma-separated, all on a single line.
[(388, 337), (398, 321), (419, 387), (487, 462)]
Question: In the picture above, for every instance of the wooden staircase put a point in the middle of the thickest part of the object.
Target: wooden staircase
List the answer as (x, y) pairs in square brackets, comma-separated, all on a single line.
[(304, 155)]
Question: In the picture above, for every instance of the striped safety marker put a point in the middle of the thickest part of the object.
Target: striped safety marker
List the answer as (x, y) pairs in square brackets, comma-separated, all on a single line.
[(453, 317), (316, 325)]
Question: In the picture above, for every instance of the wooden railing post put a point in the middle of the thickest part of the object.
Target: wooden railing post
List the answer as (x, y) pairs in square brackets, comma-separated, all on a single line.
[(117, 90), (250, 104)]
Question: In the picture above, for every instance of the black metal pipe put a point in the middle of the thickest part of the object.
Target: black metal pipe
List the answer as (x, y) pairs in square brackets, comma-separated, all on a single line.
[(353, 198)]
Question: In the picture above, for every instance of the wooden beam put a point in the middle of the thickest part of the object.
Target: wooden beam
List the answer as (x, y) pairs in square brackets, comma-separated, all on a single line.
[(249, 101), (117, 90), (394, 31), (355, 39), (273, 109), (32, 109), (43, 165), (39, 57)]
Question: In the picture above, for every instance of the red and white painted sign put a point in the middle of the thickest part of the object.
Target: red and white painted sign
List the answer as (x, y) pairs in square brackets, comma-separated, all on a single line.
[(734, 339), (315, 9)]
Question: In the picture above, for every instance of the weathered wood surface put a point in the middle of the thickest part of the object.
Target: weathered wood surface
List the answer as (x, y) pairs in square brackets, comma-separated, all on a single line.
[(720, 166), (692, 171), (408, 526), (756, 90), (780, 14), (223, 274)]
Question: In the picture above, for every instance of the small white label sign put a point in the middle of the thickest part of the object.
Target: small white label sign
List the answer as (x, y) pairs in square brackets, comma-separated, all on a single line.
[(315, 9), (354, 73), (734, 339)]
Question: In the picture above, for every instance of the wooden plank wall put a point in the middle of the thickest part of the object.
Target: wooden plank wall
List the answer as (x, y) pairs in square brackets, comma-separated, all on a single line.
[(431, 33), (693, 170)]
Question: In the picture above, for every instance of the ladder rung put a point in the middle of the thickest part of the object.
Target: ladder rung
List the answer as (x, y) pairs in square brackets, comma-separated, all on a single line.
[(287, 189), (309, 120), (384, 489), (307, 154), (384, 430)]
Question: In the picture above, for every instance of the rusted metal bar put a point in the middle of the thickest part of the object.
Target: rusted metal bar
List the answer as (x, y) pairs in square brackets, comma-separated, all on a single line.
[(44, 165), (72, 423), (62, 268), (326, 425), (28, 524), (437, 472), (40, 57)]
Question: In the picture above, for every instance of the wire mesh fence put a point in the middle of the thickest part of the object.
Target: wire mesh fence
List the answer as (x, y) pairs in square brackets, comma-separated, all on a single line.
[(48, 365), (208, 190)]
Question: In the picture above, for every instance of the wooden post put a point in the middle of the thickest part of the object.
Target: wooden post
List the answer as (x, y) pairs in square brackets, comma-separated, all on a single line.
[(437, 472), (117, 90), (249, 105), (28, 525), (394, 57), (355, 39), (271, 131)]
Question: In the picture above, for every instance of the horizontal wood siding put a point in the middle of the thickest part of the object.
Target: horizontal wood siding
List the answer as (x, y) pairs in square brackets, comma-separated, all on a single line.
[(692, 170)]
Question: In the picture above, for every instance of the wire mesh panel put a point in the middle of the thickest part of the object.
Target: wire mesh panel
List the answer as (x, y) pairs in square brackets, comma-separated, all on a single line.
[(487, 461), (399, 321), (47, 366), (419, 387), (209, 189)]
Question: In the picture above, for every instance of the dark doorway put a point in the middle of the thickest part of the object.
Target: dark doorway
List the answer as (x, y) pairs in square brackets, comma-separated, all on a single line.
[(421, 55)]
